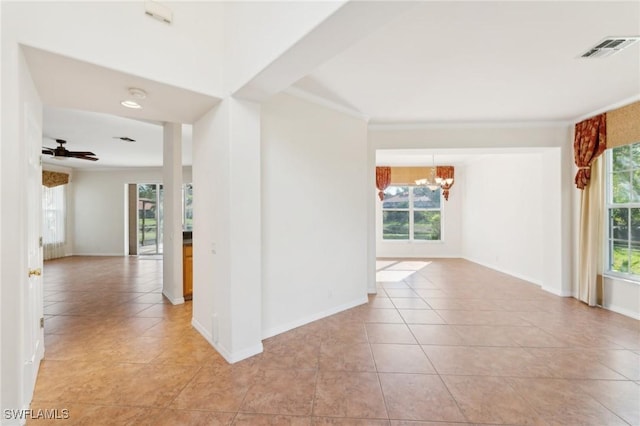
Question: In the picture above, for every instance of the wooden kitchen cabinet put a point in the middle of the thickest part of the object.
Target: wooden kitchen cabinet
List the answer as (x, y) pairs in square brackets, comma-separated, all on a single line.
[(187, 271)]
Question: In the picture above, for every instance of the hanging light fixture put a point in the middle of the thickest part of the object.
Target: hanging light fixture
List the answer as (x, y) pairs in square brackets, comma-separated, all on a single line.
[(432, 183)]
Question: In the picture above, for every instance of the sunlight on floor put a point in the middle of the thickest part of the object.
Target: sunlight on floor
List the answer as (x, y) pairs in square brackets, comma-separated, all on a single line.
[(396, 271)]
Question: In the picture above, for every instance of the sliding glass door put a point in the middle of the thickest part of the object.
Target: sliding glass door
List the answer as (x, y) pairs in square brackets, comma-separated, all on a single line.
[(150, 218)]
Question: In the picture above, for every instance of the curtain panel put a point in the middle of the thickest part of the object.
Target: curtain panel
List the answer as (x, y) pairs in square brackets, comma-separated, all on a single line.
[(383, 179), (52, 179), (589, 142), (445, 172), (592, 219)]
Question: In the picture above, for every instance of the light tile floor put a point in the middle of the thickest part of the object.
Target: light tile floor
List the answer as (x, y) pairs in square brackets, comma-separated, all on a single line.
[(446, 342)]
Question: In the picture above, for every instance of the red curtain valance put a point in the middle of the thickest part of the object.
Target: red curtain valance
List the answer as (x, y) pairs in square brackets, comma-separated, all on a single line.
[(590, 141), (383, 179)]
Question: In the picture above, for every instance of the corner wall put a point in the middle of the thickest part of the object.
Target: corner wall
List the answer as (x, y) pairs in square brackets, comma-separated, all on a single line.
[(502, 215), (314, 216)]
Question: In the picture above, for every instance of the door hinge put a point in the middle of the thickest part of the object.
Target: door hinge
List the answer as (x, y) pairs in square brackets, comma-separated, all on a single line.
[(40, 241), (42, 322), (40, 160)]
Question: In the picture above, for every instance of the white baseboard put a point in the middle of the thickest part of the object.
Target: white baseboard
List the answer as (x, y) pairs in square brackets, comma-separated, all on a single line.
[(504, 271), (622, 311), (230, 357), (270, 332), (98, 254), (568, 293), (174, 301)]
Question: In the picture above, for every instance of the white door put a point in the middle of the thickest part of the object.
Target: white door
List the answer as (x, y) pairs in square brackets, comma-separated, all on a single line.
[(33, 293)]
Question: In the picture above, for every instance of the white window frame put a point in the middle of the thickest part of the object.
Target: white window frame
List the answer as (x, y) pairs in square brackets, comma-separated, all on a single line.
[(609, 204), (411, 209), (59, 216)]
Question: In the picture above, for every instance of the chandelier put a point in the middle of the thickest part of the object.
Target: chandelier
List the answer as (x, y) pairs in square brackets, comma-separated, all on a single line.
[(441, 177)]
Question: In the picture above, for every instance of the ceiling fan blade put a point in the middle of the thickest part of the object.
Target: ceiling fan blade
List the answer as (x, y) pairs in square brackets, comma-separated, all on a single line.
[(76, 153), (48, 151), (83, 157)]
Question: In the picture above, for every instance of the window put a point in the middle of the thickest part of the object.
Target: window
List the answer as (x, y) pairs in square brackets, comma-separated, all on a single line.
[(53, 215), (187, 207), (623, 208), (411, 213)]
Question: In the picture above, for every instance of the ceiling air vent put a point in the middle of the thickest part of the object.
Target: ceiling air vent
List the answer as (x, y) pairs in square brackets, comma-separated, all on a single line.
[(609, 46)]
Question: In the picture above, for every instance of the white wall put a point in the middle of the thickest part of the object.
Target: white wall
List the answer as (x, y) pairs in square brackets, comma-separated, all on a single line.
[(504, 202), (19, 95), (99, 207), (227, 293), (622, 296), (451, 223), (256, 33), (314, 216), (118, 35)]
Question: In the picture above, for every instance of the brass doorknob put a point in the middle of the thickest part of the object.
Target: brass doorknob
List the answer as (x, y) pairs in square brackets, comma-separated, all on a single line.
[(35, 272)]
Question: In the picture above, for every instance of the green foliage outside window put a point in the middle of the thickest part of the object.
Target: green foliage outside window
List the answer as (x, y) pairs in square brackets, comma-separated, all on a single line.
[(411, 213)]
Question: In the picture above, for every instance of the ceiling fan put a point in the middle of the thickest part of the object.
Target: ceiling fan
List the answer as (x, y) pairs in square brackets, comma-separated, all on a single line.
[(62, 152)]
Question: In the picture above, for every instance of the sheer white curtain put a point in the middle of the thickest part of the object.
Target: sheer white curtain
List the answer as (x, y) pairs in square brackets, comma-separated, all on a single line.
[(53, 221)]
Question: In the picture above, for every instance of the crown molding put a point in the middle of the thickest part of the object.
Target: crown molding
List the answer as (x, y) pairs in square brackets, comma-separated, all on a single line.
[(467, 125), (608, 108), (318, 100)]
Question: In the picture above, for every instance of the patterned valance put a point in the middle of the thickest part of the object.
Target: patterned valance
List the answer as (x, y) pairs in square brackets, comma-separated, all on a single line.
[(623, 125), (51, 179)]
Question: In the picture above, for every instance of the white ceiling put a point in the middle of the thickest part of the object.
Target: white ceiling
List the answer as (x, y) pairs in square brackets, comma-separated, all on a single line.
[(82, 106), (441, 62), (486, 61), (97, 132)]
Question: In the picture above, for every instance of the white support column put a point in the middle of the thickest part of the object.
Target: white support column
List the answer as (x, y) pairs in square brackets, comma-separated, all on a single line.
[(227, 274), (172, 211)]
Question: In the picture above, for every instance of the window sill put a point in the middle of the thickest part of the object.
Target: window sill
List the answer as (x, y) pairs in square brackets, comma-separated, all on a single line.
[(625, 278), (413, 241)]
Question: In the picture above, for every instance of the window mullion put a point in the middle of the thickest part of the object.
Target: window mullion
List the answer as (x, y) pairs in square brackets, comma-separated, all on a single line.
[(411, 213)]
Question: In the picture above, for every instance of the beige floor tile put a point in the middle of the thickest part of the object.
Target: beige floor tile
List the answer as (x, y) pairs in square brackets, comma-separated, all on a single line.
[(337, 421), (389, 333), (287, 392), (271, 420), (117, 353), (341, 356), (442, 335), (409, 303), (560, 401), (490, 400), (420, 316), (620, 397), (171, 417), (391, 358), (418, 397), (349, 394)]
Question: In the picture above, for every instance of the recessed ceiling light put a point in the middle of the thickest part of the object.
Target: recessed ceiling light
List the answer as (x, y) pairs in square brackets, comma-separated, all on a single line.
[(131, 104), (137, 93)]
